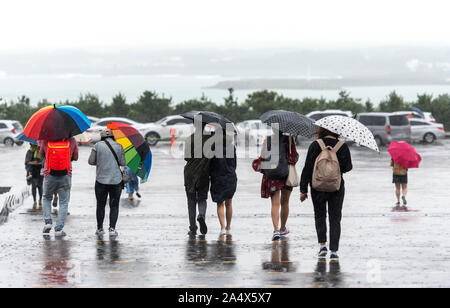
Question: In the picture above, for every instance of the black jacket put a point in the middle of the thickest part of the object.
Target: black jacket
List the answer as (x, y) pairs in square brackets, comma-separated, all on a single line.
[(343, 155)]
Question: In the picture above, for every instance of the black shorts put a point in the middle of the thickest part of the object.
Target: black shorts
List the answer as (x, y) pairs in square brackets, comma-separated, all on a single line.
[(401, 179)]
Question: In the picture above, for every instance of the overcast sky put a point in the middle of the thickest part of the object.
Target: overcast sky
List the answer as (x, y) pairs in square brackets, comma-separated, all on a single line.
[(109, 24)]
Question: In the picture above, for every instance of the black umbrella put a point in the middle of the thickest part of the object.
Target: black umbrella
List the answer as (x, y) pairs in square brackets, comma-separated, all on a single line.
[(292, 123), (208, 117)]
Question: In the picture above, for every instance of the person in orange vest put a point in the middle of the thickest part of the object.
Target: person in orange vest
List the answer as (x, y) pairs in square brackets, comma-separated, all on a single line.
[(57, 178)]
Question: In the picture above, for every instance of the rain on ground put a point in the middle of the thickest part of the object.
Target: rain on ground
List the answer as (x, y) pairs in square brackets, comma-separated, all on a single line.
[(379, 248)]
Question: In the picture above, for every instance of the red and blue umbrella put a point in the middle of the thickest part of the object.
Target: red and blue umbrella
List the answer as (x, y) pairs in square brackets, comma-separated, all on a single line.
[(56, 122), (137, 151)]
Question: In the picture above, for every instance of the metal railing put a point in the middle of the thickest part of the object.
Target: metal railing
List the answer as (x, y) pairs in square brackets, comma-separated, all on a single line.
[(11, 200)]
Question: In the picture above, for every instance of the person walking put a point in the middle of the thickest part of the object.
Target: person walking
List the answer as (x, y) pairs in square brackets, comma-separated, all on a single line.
[(33, 165), (196, 182), (400, 179), (132, 185), (334, 197), (108, 157), (274, 182), (224, 184), (57, 178)]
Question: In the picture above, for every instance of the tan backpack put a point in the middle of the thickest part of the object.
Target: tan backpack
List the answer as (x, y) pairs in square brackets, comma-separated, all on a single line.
[(327, 172)]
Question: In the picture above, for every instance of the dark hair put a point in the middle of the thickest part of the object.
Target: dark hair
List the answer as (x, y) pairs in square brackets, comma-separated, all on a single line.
[(323, 132)]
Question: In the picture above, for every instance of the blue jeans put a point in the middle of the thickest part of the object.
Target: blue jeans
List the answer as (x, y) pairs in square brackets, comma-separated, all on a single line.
[(62, 185), (132, 186)]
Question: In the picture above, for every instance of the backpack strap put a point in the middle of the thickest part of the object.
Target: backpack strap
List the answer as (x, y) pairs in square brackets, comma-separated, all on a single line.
[(337, 146), (321, 144)]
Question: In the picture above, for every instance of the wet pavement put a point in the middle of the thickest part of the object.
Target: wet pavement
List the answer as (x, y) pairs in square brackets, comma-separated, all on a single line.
[(379, 248)]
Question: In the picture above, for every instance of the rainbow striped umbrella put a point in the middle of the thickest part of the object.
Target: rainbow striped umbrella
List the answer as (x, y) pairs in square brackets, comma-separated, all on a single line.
[(56, 122), (137, 151)]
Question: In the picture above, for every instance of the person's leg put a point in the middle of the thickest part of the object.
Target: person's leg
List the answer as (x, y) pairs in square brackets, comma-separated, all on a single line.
[(101, 194), (404, 192), (229, 215), (64, 187), (130, 190), (114, 199), (202, 197), (285, 196), (276, 204), (319, 200), (49, 188), (221, 214), (33, 190), (397, 191), (335, 203), (40, 183), (192, 210)]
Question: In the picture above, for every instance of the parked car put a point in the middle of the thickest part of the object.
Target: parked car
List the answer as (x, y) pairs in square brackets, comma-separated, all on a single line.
[(252, 132), (386, 127), (423, 130), (427, 116), (8, 130), (161, 130), (94, 130), (317, 115)]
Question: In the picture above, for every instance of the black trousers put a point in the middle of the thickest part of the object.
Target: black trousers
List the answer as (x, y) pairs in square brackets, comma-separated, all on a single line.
[(335, 202), (102, 191), (196, 199), (36, 186)]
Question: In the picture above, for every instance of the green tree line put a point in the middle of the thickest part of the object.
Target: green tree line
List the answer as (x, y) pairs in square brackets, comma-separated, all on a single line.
[(151, 106)]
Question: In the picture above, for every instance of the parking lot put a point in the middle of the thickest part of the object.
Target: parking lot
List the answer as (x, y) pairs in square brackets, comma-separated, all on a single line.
[(379, 248)]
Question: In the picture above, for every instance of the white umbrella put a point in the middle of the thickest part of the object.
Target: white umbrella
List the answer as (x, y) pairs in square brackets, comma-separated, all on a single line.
[(350, 129)]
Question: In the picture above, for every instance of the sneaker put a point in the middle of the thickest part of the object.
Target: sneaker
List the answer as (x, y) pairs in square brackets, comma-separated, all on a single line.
[(138, 195), (203, 226), (334, 257), (100, 232), (228, 232), (223, 232), (397, 206), (323, 252), (60, 233), (404, 201), (403, 208), (47, 229), (285, 232), (276, 236), (113, 232), (192, 234), (34, 205)]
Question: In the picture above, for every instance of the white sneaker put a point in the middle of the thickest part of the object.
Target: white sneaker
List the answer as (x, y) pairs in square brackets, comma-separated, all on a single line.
[(47, 229), (60, 233), (100, 232), (113, 233)]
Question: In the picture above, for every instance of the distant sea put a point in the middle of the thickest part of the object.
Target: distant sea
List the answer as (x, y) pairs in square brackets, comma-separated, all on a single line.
[(57, 88)]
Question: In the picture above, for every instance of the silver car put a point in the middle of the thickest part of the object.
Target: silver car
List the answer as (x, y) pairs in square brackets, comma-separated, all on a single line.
[(423, 130), (386, 127), (8, 130)]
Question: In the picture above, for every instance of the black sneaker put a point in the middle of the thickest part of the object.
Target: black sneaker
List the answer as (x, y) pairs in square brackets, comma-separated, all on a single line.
[(192, 234), (276, 236), (203, 226), (404, 201), (138, 195), (323, 252), (334, 257)]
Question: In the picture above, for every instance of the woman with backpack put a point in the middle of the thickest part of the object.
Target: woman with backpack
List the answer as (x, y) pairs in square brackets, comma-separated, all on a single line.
[(274, 181), (327, 160)]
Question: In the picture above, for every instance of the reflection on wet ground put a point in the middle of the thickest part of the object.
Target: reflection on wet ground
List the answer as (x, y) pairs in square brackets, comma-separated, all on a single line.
[(152, 249)]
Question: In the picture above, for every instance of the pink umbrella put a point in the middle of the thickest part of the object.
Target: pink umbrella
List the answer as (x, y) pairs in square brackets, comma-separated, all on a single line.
[(404, 154)]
